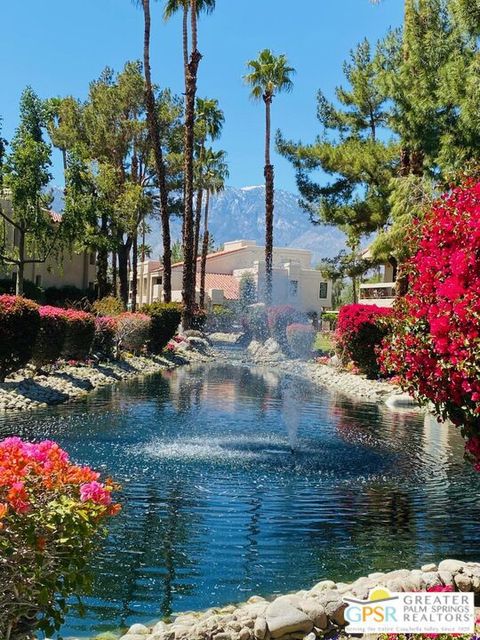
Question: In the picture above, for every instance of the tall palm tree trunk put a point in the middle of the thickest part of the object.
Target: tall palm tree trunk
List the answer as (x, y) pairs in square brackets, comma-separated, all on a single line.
[(198, 220), (154, 131), (269, 204), (185, 71), (188, 284), (206, 240)]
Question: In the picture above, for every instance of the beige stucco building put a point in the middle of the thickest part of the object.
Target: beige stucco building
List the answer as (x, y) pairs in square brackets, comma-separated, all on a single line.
[(295, 281), (73, 269)]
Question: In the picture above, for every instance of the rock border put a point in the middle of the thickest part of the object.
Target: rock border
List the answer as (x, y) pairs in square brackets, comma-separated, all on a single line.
[(27, 390), (305, 615)]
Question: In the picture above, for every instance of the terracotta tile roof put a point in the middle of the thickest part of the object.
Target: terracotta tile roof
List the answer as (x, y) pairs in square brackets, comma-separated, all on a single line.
[(229, 284), (56, 217)]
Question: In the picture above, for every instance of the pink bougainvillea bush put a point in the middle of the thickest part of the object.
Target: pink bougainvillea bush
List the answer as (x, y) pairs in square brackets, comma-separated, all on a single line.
[(51, 336), (79, 335), (19, 323), (360, 331), (435, 345), (52, 513)]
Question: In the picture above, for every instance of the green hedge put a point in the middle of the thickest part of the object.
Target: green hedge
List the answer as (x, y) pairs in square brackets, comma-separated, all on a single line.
[(166, 317), (19, 324)]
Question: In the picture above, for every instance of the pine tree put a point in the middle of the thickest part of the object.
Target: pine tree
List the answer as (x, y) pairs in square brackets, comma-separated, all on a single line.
[(352, 151)]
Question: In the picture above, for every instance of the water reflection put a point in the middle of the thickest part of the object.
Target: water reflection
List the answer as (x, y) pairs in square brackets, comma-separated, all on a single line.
[(218, 506)]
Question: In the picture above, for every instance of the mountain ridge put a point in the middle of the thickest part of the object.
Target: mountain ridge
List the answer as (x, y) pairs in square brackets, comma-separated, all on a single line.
[(239, 213)]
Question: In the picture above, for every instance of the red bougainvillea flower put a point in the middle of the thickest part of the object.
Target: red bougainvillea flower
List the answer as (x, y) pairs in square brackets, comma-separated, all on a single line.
[(435, 346)]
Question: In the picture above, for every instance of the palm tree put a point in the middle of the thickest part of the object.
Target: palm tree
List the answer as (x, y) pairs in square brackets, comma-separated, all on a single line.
[(209, 124), (191, 8), (215, 174), (160, 169), (268, 75)]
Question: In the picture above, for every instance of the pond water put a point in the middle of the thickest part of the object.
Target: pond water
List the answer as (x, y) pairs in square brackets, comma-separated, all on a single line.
[(238, 481)]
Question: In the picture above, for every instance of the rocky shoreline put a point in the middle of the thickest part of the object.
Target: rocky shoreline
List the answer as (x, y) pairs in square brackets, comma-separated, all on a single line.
[(29, 390), (331, 376), (307, 614)]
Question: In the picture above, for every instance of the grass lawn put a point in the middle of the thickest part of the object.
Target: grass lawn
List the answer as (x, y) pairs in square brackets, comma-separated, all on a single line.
[(324, 342)]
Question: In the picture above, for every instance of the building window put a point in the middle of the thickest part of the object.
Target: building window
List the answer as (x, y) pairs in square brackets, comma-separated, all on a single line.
[(93, 258), (323, 292), (293, 288), (159, 280), (38, 281)]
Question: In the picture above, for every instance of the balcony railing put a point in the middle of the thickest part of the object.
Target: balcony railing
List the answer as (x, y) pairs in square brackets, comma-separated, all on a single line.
[(377, 290)]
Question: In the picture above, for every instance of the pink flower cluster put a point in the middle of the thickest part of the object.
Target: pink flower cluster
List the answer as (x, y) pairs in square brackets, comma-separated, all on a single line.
[(29, 471), (96, 492)]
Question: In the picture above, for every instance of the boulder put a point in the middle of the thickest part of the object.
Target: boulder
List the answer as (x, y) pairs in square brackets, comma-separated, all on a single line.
[(324, 585), (260, 628), (463, 582), (138, 630), (316, 612), (282, 619), (454, 566)]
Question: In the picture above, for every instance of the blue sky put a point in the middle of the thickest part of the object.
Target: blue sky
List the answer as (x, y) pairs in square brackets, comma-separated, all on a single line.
[(59, 46)]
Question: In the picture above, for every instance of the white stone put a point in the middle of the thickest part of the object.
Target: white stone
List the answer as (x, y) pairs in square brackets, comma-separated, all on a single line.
[(283, 619), (426, 568), (324, 585), (260, 628), (138, 630), (454, 566), (463, 582), (316, 612), (244, 634)]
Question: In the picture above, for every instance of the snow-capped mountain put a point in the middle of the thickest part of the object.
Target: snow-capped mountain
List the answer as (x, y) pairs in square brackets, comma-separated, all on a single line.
[(240, 214)]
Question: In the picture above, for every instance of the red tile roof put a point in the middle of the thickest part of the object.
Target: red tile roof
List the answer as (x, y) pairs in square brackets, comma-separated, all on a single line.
[(229, 284), (56, 217)]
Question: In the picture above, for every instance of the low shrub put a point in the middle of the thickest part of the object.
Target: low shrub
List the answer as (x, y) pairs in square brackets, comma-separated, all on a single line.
[(104, 338), (278, 320), (19, 324), (109, 306), (220, 318), (255, 322), (132, 332), (79, 335), (52, 514), (50, 337), (165, 318), (300, 338), (330, 317), (360, 332)]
